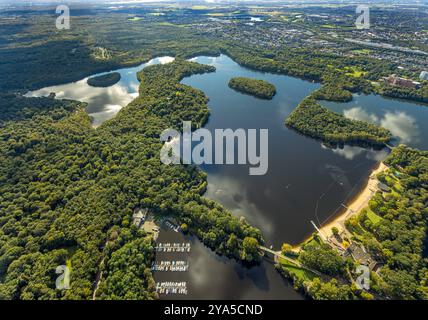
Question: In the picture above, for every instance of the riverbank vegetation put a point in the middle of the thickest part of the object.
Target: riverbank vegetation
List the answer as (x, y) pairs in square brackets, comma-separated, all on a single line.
[(258, 88), (104, 81), (419, 95), (128, 266), (331, 92), (321, 257), (311, 119)]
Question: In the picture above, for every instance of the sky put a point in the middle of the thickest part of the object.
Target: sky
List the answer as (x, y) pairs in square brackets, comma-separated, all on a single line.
[(208, 1)]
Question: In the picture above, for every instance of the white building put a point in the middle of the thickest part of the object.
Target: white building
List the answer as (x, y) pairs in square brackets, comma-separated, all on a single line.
[(424, 75)]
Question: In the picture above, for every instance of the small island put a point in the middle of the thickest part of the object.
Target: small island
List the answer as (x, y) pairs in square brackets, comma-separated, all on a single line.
[(104, 81), (258, 88)]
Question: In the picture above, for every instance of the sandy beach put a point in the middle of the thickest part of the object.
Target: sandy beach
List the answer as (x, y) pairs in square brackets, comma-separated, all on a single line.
[(354, 207), (357, 204)]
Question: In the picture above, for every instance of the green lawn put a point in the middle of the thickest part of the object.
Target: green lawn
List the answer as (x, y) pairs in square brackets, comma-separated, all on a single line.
[(362, 51), (354, 72), (302, 274), (374, 218)]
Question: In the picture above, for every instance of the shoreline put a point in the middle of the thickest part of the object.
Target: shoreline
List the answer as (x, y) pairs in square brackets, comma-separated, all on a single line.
[(358, 203), (353, 207)]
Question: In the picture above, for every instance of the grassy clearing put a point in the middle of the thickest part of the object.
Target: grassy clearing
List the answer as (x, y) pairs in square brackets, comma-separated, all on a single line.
[(361, 51), (300, 273), (355, 72), (374, 218)]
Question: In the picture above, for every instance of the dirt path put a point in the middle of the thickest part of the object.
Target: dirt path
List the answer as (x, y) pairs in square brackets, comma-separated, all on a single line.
[(98, 280)]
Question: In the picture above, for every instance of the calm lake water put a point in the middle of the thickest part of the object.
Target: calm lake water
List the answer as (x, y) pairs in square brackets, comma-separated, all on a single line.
[(103, 103), (406, 121), (305, 181), (302, 172)]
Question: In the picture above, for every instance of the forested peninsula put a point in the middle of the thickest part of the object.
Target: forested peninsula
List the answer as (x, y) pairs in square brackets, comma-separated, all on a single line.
[(311, 119)]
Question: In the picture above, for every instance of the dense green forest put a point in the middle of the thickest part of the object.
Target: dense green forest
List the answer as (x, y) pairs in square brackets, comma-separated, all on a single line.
[(339, 86), (67, 191), (127, 274), (320, 256), (106, 80), (331, 92), (91, 46), (258, 88), (312, 119), (396, 238), (420, 95)]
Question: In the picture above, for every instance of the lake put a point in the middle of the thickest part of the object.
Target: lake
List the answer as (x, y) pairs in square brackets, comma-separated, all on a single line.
[(103, 103), (305, 182)]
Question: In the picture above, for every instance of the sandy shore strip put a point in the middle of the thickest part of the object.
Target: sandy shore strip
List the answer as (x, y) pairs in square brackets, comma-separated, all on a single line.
[(360, 202)]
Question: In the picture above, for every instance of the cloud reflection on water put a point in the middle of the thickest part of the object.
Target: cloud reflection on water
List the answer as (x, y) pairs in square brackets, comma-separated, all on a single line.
[(231, 194), (402, 126), (103, 103), (351, 152), (399, 123), (358, 113)]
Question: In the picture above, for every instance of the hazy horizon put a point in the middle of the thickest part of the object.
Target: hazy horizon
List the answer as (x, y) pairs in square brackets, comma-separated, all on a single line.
[(209, 1)]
